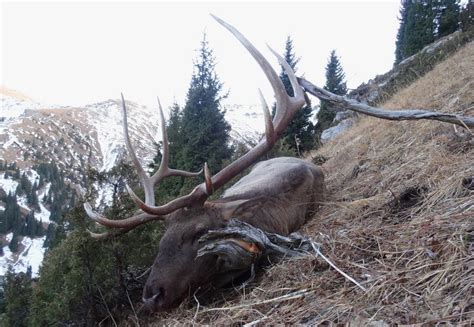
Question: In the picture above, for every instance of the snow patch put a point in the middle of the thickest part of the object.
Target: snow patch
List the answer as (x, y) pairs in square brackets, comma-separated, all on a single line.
[(43, 215), (32, 176), (104, 195), (8, 185), (32, 255)]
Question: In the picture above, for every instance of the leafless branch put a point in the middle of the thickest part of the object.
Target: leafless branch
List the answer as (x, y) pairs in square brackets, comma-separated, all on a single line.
[(408, 114)]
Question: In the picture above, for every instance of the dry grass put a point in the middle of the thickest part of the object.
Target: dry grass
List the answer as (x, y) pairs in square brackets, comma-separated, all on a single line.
[(398, 219)]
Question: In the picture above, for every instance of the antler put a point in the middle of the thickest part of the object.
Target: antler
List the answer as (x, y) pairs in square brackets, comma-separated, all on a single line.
[(285, 109), (148, 183)]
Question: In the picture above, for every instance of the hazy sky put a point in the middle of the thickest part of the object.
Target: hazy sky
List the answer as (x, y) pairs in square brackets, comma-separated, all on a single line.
[(74, 53)]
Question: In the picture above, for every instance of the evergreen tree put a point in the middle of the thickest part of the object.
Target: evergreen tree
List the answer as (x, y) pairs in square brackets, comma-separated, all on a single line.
[(11, 215), (76, 285), (299, 135), (466, 17), (335, 83), (3, 302), (399, 55), (3, 223), (24, 187), (422, 22), (205, 132), (18, 295), (32, 197), (447, 17), (419, 27), (14, 242)]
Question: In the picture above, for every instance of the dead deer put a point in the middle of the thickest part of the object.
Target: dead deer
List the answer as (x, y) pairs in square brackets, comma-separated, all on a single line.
[(277, 196)]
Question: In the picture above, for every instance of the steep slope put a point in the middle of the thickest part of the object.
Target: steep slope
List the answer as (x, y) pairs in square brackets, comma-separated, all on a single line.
[(398, 218)]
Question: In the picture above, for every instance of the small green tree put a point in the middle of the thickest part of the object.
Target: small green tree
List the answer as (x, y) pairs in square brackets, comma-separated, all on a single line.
[(422, 22), (18, 295), (205, 132), (84, 281), (447, 17), (466, 17), (299, 135), (417, 28), (14, 243), (335, 83), (399, 43)]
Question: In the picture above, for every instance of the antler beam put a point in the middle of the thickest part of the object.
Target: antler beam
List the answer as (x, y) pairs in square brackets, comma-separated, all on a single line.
[(286, 107)]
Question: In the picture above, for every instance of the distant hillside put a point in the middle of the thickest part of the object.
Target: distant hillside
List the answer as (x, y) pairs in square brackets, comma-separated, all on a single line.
[(398, 219), (73, 140)]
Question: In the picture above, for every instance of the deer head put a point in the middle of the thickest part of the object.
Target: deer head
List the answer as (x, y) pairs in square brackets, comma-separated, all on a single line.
[(177, 272)]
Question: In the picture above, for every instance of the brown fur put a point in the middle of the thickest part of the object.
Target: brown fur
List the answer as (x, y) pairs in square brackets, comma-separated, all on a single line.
[(277, 196)]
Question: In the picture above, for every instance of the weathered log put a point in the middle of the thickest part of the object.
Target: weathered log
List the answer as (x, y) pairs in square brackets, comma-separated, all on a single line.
[(408, 114), (240, 245)]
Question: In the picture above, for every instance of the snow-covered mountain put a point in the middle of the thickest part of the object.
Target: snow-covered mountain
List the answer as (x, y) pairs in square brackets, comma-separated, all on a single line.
[(75, 139)]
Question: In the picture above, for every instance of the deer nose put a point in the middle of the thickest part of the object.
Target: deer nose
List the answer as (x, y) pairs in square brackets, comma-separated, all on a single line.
[(151, 299)]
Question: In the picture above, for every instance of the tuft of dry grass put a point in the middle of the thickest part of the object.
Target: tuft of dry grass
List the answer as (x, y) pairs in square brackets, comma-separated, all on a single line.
[(399, 219)]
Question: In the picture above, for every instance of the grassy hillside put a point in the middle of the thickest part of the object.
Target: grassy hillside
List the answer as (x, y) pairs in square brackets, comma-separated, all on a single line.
[(398, 218)]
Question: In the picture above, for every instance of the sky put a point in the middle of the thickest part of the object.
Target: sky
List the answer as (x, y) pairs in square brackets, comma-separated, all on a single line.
[(76, 53)]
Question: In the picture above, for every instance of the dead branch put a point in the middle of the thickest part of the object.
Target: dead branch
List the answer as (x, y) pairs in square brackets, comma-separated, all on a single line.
[(240, 245), (408, 114)]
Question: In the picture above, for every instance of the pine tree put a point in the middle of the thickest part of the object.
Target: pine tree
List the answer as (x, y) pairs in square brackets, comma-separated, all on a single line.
[(447, 17), (11, 215), (399, 55), (205, 132), (14, 243), (18, 295), (466, 17), (335, 83), (423, 31), (299, 135), (422, 22)]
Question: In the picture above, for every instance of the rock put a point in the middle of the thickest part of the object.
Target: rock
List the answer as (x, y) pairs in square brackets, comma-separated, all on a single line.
[(332, 132), (342, 115)]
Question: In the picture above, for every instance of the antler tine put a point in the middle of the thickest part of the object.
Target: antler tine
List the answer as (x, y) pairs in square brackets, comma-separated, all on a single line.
[(198, 195), (269, 131), (108, 234), (272, 76), (142, 175), (127, 223), (208, 180), (298, 99), (164, 170)]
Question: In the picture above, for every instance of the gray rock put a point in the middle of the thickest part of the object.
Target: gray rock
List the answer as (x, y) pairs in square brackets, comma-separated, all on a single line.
[(342, 115), (332, 132)]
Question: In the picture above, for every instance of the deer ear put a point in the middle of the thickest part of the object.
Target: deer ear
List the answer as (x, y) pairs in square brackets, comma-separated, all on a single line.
[(243, 208)]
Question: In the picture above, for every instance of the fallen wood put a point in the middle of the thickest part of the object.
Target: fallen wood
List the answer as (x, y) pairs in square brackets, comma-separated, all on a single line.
[(239, 246), (408, 114)]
